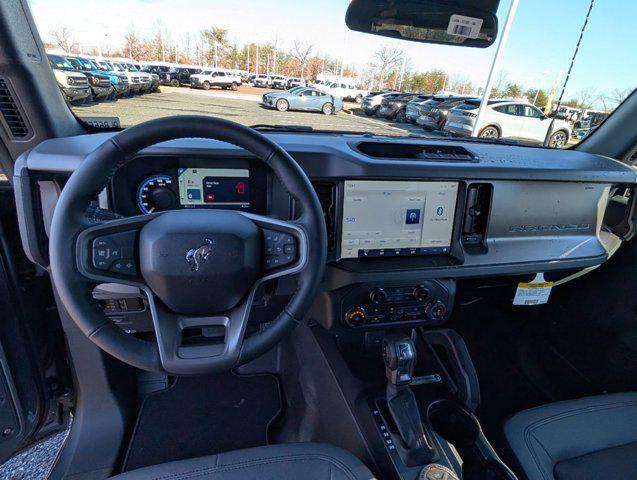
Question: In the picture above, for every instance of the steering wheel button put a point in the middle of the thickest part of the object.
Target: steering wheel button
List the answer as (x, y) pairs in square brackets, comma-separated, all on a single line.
[(102, 242), (125, 266), (100, 263), (289, 248)]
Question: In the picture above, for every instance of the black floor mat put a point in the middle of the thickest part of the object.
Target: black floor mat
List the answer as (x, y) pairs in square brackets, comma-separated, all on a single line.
[(203, 416)]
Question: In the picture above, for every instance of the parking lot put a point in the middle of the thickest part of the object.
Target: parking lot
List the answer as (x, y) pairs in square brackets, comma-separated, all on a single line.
[(243, 106)]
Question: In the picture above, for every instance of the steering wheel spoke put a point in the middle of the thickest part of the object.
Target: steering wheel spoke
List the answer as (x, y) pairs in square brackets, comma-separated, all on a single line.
[(109, 251), (190, 344)]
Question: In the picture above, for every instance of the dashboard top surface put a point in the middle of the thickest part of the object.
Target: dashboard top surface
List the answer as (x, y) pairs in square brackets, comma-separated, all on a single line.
[(546, 206), (335, 155)]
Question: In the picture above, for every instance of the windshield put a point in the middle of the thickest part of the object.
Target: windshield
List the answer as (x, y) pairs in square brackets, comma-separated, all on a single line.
[(76, 63), (85, 64), (254, 52), (60, 62)]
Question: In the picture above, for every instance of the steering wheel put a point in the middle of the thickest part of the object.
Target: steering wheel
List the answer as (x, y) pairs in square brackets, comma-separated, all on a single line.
[(199, 268)]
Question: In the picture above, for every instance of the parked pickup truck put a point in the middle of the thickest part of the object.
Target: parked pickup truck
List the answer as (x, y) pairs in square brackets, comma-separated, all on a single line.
[(279, 81), (178, 76), (74, 85), (295, 82), (99, 83), (119, 81), (148, 83), (346, 91), (262, 80), (133, 79), (215, 78)]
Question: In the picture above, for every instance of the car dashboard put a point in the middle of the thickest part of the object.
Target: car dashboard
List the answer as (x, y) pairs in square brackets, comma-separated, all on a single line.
[(406, 217)]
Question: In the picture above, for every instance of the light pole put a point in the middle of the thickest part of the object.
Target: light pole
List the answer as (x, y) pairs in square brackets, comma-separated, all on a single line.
[(344, 52), (495, 64), (257, 60), (537, 90)]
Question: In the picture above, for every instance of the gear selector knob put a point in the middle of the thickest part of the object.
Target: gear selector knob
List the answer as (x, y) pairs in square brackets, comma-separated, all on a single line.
[(399, 355)]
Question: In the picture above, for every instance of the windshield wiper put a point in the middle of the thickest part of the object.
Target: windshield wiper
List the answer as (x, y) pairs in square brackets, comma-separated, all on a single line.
[(494, 141), (306, 128), (282, 128)]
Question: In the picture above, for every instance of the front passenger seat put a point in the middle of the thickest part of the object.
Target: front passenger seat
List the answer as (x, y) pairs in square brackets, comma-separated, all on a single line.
[(305, 461), (586, 439)]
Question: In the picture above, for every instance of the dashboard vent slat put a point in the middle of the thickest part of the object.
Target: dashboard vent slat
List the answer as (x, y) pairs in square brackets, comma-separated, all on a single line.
[(326, 192), (11, 114), (474, 226), (416, 152)]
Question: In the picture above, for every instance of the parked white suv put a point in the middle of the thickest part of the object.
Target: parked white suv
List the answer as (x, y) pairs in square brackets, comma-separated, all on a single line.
[(507, 119), (215, 78), (346, 91)]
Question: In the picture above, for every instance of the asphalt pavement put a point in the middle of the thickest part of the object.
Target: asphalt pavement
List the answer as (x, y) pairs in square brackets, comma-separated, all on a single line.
[(242, 106)]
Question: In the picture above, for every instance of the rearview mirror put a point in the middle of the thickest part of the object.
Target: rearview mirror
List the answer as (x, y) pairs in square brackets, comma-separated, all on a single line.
[(466, 23)]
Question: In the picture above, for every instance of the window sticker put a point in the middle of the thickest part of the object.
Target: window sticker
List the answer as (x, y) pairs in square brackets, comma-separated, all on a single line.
[(467, 27), (535, 292)]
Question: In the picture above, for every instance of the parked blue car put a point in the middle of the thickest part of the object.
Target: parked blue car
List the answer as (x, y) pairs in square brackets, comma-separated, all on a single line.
[(119, 81), (305, 99)]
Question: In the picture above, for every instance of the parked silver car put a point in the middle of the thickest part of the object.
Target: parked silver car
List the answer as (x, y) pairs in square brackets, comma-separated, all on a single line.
[(432, 115), (306, 99), (371, 103)]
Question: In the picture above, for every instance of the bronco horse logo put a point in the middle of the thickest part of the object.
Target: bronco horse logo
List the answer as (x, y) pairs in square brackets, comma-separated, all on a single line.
[(196, 256)]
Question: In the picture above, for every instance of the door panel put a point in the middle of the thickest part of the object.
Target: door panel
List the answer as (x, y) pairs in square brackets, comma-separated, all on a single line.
[(535, 126), (34, 376)]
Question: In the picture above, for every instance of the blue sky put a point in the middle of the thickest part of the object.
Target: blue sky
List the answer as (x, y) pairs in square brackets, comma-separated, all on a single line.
[(541, 43)]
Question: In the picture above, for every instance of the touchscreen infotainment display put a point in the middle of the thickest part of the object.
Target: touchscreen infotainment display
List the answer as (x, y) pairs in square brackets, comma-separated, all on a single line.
[(214, 186), (397, 218)]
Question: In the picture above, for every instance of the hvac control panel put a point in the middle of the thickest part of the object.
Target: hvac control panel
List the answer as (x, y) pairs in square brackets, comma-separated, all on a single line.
[(424, 303)]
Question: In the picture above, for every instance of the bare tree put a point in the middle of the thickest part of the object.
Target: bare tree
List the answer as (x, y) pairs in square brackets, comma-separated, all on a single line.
[(63, 39), (500, 84), (587, 97), (302, 51), (618, 95), (385, 60)]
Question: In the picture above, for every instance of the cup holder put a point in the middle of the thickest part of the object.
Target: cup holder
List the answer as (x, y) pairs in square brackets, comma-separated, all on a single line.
[(461, 428), (454, 423)]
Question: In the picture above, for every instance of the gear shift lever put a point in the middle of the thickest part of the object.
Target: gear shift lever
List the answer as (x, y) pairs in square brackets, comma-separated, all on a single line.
[(399, 355)]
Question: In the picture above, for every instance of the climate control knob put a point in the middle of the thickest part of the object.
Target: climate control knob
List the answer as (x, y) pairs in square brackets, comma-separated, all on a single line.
[(377, 295), (356, 317), (420, 293), (436, 310)]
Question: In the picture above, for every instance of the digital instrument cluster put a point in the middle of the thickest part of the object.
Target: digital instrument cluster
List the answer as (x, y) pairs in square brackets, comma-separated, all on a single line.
[(172, 183)]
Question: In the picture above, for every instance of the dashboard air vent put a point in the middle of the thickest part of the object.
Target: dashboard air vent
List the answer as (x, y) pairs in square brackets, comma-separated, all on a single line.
[(476, 214), (11, 114), (326, 192), (416, 151)]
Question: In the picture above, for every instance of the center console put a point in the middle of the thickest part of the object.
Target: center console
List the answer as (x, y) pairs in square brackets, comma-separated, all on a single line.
[(424, 419)]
